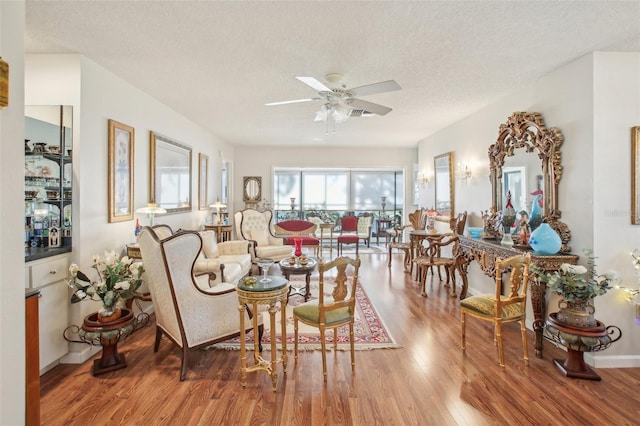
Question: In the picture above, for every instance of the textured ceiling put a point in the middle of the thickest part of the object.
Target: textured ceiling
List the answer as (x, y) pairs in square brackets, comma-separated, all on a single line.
[(218, 63)]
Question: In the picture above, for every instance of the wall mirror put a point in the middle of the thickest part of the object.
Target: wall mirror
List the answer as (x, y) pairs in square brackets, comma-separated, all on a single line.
[(635, 175), (443, 173), (526, 159), (252, 193), (170, 182)]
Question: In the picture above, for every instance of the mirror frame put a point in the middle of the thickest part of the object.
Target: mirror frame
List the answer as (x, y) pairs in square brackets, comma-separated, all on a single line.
[(182, 155), (528, 130), (248, 180), (448, 156)]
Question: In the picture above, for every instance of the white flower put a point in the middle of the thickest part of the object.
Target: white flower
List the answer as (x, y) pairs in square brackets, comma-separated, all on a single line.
[(124, 285), (126, 260), (573, 269), (135, 270), (73, 270)]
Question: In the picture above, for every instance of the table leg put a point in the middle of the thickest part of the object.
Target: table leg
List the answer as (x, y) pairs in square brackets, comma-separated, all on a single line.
[(243, 353), (307, 287), (283, 320), (538, 305), (274, 360)]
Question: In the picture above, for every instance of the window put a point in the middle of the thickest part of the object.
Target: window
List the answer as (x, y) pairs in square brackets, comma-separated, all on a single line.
[(338, 189)]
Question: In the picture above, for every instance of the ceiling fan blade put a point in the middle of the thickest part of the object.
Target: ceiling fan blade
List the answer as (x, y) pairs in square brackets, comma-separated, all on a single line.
[(372, 89), (369, 106), (292, 102), (313, 83)]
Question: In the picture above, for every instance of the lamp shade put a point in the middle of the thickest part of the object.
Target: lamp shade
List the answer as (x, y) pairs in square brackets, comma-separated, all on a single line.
[(151, 208)]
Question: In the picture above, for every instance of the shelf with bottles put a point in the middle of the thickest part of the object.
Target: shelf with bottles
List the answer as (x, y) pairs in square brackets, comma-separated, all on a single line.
[(47, 179)]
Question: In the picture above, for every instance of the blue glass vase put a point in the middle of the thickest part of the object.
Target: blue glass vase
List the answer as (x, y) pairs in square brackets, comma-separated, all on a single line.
[(544, 240)]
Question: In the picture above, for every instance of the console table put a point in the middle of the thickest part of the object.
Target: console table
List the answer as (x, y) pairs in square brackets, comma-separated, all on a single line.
[(485, 252)]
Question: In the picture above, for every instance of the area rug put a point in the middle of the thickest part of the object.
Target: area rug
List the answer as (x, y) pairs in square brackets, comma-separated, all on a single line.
[(369, 330)]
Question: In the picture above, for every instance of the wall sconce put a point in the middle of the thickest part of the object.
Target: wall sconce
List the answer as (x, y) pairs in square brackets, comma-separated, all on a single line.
[(463, 172), (151, 210), (423, 179), (218, 205)]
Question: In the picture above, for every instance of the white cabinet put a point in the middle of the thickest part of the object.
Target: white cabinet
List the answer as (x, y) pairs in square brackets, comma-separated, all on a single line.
[(48, 275)]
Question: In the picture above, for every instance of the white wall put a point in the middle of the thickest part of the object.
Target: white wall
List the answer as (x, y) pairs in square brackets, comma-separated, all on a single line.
[(260, 161), (590, 191), (12, 312), (97, 95)]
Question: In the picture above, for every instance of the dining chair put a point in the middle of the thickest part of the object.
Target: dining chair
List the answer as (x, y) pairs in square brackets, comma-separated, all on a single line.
[(501, 309), (430, 257), (417, 221), (331, 312), (348, 233)]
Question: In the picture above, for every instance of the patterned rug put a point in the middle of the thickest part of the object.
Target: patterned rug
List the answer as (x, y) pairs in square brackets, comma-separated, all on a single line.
[(369, 330)]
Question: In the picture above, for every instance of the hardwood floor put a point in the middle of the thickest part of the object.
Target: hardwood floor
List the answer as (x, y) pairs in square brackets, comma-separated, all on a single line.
[(429, 381)]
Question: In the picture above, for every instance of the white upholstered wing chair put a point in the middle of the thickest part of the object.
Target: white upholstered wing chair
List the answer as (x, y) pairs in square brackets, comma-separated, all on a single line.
[(255, 226), (189, 315)]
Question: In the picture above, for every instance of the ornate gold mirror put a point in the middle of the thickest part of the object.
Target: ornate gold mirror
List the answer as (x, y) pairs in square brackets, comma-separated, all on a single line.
[(526, 159), (252, 192), (443, 172)]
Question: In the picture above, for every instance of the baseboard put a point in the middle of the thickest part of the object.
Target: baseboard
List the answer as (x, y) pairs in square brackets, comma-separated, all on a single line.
[(612, 361), (85, 352)]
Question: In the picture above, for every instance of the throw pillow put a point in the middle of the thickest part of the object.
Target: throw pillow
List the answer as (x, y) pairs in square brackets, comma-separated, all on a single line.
[(260, 236), (209, 244)]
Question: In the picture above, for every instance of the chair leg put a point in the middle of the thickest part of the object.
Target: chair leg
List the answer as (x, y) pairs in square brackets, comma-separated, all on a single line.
[(357, 245), (335, 340), (525, 349), (462, 325), (423, 281), (389, 264), (183, 369), (353, 350), (500, 346), (260, 334), (324, 353), (156, 345), (295, 339)]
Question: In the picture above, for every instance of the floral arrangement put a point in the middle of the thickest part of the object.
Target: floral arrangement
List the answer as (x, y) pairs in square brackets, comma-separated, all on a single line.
[(117, 281), (577, 283)]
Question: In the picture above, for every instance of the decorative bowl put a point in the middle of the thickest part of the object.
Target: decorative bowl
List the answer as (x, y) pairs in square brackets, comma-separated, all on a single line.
[(54, 149), (53, 195), (474, 232), (249, 281), (30, 195)]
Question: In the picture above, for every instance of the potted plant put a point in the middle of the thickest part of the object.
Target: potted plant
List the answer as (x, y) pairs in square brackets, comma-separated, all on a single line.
[(577, 285), (117, 281)]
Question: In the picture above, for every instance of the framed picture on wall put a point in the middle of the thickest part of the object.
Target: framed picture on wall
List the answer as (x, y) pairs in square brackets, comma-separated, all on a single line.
[(635, 175), (203, 167), (121, 144)]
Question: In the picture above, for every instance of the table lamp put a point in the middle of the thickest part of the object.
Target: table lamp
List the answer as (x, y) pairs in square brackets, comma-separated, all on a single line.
[(218, 205), (151, 210)]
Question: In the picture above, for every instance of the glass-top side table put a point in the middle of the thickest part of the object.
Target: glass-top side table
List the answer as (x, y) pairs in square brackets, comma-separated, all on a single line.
[(258, 293)]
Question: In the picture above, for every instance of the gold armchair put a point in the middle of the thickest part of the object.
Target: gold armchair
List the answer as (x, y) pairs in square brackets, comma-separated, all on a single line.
[(501, 309), (331, 312)]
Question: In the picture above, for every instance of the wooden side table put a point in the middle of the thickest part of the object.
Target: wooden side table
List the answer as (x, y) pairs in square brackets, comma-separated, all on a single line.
[(326, 227), (297, 268), (223, 232), (382, 225), (263, 293)]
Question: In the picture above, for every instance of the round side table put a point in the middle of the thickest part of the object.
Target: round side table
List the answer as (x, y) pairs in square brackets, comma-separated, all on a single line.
[(297, 268), (260, 293)]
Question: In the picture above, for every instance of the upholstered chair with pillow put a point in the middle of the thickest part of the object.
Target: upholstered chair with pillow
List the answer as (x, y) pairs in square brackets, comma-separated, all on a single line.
[(254, 226), (228, 260), (189, 315)]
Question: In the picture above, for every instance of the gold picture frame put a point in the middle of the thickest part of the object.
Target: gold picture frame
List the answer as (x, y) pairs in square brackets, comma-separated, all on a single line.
[(121, 147), (635, 175), (203, 176)]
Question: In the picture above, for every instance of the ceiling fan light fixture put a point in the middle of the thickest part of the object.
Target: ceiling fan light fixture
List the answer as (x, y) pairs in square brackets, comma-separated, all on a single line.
[(340, 113)]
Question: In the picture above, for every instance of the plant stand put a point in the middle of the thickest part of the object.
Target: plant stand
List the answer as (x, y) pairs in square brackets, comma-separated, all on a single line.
[(578, 340), (107, 335)]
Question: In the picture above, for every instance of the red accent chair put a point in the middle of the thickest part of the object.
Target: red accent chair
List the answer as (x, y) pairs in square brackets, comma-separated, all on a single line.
[(348, 233)]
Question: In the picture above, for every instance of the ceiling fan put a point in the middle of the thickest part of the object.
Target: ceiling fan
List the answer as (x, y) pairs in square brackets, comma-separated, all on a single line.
[(341, 103)]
